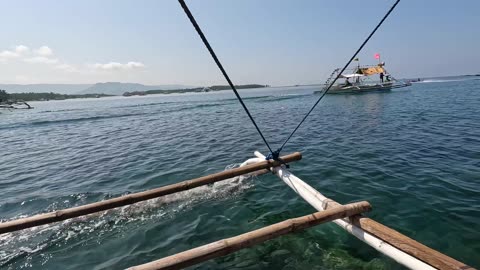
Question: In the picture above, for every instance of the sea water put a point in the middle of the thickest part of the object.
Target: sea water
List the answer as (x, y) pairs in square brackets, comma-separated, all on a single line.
[(413, 153)]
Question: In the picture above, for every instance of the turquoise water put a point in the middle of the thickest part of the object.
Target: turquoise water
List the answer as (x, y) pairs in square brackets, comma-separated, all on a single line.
[(414, 154)]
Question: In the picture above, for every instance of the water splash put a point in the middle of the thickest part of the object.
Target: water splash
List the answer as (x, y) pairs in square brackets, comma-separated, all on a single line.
[(28, 242)]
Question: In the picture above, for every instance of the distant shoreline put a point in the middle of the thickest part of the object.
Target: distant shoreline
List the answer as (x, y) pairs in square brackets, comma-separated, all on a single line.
[(55, 95), (47, 96), (31, 96), (194, 90)]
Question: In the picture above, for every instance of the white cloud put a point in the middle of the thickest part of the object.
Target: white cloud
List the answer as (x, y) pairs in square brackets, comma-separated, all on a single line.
[(118, 66), (66, 67), (8, 54), (17, 52), (44, 51), (41, 60), (21, 49), (44, 56), (135, 65)]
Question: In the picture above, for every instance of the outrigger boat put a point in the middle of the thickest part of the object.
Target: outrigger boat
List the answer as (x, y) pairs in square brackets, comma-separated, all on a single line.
[(359, 80), (349, 217), (15, 105)]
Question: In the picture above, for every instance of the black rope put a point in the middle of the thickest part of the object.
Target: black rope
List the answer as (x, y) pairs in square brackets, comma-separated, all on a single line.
[(340, 73), (212, 53)]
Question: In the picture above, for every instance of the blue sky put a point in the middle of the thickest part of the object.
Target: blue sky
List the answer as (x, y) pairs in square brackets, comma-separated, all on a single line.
[(271, 42)]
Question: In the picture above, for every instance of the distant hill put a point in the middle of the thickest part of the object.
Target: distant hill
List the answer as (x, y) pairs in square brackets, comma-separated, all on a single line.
[(117, 88), (57, 88)]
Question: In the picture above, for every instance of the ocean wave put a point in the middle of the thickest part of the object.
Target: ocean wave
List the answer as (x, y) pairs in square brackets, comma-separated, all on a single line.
[(55, 111), (268, 98), (227, 102), (83, 119), (146, 104), (194, 106), (69, 120), (282, 97)]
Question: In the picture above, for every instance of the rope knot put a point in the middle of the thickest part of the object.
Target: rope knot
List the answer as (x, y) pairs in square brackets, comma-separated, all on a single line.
[(273, 155)]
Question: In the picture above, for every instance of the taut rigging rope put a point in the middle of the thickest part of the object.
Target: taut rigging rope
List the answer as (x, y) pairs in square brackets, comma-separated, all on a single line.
[(274, 154), (338, 76), (212, 53)]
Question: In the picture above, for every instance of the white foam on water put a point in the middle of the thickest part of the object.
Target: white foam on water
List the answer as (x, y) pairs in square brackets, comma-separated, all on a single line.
[(440, 81), (29, 241)]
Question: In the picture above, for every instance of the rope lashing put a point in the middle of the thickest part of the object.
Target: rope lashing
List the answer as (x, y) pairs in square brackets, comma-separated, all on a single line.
[(273, 155)]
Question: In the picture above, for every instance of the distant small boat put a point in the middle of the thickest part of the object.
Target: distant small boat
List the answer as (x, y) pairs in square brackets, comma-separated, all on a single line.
[(415, 80), (135, 93), (361, 81), (15, 105)]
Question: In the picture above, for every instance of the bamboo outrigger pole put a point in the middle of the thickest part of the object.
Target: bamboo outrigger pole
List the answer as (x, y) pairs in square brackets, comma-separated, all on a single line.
[(395, 245), (230, 245), (83, 210)]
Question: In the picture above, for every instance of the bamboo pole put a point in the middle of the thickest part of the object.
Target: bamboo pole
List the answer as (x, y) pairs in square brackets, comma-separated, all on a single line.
[(230, 245), (397, 246), (408, 245), (68, 213)]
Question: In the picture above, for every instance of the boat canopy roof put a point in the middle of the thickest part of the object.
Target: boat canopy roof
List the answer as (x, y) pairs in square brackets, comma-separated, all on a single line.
[(367, 71), (351, 75)]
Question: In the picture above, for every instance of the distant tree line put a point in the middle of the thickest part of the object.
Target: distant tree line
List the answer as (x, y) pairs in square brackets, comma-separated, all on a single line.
[(31, 96), (197, 89), (5, 96)]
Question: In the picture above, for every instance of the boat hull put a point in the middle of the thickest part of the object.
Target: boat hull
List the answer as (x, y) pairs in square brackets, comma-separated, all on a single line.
[(15, 105), (357, 89)]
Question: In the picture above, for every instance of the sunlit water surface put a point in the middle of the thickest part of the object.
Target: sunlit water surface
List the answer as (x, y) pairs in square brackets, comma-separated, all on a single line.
[(413, 153)]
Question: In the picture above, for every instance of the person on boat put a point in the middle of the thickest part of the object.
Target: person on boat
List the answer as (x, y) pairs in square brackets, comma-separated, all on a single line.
[(381, 77), (347, 83), (388, 78)]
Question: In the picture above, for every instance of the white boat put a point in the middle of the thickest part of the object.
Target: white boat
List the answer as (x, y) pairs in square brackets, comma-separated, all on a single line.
[(360, 80)]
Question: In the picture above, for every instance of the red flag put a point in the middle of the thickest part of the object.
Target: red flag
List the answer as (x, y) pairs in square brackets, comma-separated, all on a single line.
[(377, 56)]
